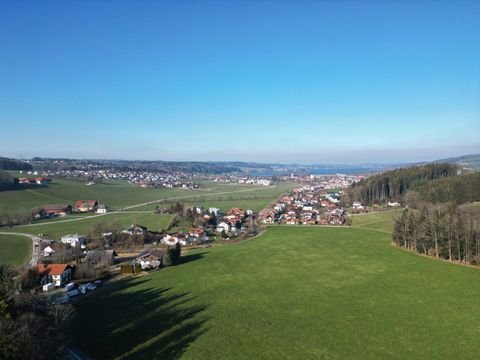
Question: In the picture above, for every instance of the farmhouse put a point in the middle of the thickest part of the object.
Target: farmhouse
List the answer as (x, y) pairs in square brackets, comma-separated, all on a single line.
[(58, 274), (57, 209), (85, 205)]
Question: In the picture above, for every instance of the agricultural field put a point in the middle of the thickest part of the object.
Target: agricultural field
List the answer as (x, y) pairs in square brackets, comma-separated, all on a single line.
[(55, 230), (293, 292), (231, 195), (15, 249), (120, 194)]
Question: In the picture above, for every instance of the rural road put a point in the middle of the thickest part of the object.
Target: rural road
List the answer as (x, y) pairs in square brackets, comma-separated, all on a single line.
[(122, 210), (35, 246)]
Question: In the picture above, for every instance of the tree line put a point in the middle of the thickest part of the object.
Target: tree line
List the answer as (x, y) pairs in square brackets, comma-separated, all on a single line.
[(442, 230), (394, 184), (12, 164)]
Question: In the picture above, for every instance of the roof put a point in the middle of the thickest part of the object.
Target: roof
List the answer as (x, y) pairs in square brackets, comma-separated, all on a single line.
[(52, 269)]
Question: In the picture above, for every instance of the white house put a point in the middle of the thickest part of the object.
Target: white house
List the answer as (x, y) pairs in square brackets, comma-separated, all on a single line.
[(135, 230), (223, 226), (214, 210), (75, 240), (48, 251), (55, 273), (150, 259)]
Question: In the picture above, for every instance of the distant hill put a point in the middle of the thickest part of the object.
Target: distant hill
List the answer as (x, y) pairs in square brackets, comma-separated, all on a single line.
[(466, 161)]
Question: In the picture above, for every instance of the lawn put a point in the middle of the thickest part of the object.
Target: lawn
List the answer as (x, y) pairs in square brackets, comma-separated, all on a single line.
[(293, 292), (14, 249), (55, 230)]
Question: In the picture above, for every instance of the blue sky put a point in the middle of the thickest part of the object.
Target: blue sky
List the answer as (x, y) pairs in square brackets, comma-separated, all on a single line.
[(266, 81)]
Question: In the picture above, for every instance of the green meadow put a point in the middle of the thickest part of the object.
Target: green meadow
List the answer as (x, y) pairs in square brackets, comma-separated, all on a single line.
[(291, 293), (120, 194), (55, 230), (15, 249)]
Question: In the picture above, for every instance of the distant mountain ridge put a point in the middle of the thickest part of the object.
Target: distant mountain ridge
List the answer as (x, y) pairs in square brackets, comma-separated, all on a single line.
[(471, 161)]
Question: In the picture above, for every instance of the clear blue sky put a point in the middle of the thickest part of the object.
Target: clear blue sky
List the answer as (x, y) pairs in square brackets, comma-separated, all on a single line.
[(283, 81)]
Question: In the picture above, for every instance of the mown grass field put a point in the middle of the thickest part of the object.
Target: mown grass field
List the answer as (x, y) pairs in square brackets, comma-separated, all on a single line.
[(55, 230), (14, 249), (293, 292)]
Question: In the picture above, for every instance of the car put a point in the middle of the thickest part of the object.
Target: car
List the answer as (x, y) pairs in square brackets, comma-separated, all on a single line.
[(73, 293), (91, 287), (98, 283)]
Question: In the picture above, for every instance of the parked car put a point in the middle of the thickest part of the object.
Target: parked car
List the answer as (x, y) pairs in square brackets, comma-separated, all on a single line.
[(98, 283), (73, 293), (70, 286), (91, 287)]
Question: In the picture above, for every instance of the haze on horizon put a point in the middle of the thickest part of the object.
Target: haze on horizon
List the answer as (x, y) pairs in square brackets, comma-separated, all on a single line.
[(263, 81)]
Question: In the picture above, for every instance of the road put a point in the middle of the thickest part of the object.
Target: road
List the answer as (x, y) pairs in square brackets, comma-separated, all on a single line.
[(136, 206), (35, 246)]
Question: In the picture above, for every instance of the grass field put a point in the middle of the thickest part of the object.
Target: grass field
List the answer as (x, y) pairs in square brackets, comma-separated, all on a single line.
[(119, 194), (294, 292), (380, 221), (14, 250), (55, 230)]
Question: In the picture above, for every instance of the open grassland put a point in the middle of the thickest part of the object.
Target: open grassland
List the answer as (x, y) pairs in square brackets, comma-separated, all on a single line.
[(55, 230), (14, 249), (120, 194), (378, 221), (231, 195), (294, 292)]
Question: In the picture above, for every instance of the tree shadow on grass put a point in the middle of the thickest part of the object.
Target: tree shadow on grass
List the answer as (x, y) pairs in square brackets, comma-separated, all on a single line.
[(130, 320), (191, 257)]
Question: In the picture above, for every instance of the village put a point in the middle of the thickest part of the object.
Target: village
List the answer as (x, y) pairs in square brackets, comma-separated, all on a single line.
[(76, 264)]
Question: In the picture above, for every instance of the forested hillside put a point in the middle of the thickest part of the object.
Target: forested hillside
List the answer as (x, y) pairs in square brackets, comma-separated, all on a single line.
[(394, 184), (12, 164)]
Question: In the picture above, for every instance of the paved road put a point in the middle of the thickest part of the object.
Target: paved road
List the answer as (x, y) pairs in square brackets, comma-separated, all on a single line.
[(35, 246)]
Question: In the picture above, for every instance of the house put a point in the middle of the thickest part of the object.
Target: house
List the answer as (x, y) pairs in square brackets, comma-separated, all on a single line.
[(151, 259), (198, 235), (169, 240), (48, 251), (214, 210), (223, 226), (135, 229), (58, 274), (57, 209), (75, 240), (86, 205), (101, 209), (101, 257)]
